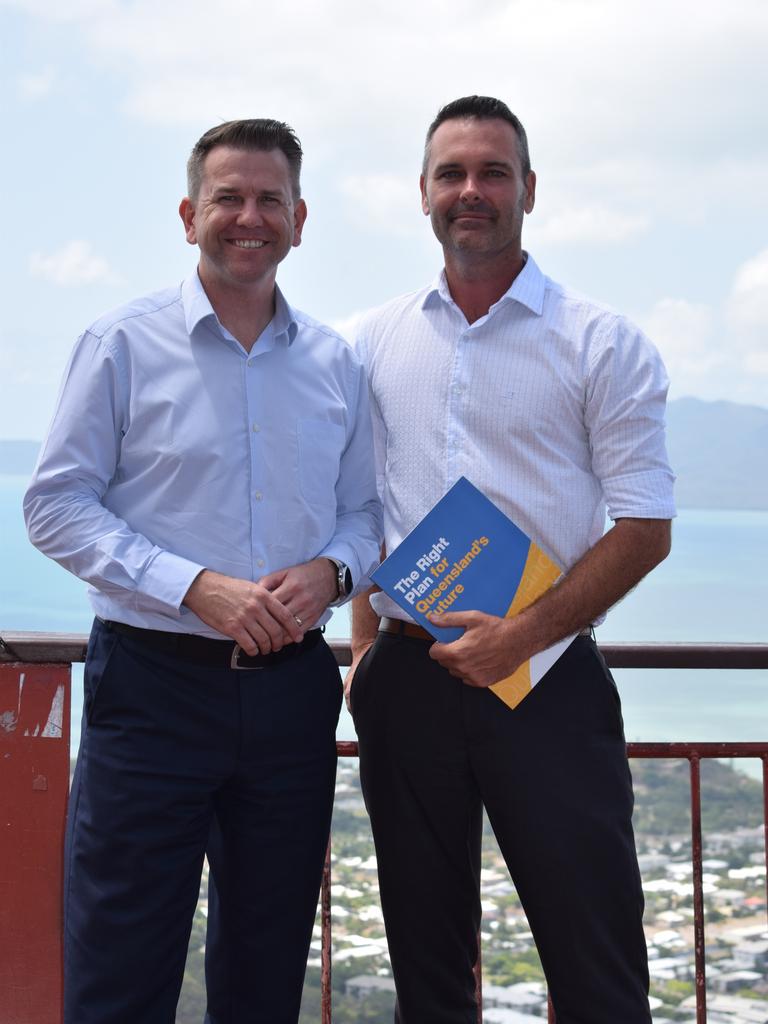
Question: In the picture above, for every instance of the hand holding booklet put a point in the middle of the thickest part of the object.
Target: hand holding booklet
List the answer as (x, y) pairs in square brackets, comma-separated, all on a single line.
[(467, 555)]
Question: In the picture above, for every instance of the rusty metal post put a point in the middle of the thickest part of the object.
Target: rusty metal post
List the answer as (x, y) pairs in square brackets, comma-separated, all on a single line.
[(550, 1011), (478, 972), (34, 787), (698, 893), (326, 995)]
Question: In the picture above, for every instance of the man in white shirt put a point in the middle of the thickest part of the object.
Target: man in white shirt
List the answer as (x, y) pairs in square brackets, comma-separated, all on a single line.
[(208, 472), (554, 407)]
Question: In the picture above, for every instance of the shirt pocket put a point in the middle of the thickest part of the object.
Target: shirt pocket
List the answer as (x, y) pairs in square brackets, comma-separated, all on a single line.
[(320, 446)]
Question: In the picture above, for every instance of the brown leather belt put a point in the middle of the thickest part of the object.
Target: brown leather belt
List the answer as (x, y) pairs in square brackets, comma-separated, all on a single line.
[(398, 627)]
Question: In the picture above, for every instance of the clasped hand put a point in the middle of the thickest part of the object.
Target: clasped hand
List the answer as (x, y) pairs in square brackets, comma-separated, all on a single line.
[(264, 616)]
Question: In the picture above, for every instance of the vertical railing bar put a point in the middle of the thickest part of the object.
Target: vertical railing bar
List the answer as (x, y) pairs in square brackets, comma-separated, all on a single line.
[(478, 971), (326, 1010), (67, 718), (698, 892), (550, 1010), (765, 819)]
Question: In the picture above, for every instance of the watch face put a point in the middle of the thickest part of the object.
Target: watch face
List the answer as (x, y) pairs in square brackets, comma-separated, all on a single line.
[(343, 579)]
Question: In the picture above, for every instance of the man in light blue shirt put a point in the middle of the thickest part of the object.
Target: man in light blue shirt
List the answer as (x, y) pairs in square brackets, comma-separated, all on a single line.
[(208, 472)]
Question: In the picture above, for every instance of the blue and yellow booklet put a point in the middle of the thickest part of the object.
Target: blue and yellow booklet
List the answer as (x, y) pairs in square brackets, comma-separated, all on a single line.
[(466, 554)]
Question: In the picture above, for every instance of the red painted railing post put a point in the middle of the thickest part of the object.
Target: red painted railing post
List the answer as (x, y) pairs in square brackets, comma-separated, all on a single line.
[(698, 892), (326, 1009), (765, 819), (34, 786), (478, 969)]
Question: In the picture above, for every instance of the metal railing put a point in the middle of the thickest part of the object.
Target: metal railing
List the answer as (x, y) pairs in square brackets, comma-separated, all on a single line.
[(27, 657)]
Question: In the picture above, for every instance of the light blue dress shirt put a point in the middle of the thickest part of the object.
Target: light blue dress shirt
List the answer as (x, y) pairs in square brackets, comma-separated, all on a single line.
[(172, 449)]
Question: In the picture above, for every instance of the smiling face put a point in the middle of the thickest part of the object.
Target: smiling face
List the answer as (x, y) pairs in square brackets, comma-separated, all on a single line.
[(474, 191), (245, 218)]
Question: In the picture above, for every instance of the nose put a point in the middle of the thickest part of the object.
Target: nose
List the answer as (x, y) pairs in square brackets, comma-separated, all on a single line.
[(470, 191), (249, 214)]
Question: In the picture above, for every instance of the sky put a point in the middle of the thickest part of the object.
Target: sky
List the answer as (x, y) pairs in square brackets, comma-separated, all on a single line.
[(647, 124)]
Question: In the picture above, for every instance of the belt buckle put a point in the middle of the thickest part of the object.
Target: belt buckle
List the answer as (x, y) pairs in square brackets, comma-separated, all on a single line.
[(234, 661)]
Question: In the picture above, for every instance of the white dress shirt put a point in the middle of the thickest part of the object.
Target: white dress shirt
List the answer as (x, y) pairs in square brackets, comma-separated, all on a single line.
[(550, 404), (172, 449)]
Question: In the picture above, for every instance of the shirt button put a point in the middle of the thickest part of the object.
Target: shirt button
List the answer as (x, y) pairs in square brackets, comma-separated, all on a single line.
[(250, 362), (260, 563), (258, 495), (256, 428)]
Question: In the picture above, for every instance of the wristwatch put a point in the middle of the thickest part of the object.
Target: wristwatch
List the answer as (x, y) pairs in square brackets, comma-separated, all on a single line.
[(343, 580)]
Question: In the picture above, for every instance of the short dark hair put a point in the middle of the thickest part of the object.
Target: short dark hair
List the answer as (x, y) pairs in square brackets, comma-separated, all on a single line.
[(260, 133), (483, 108)]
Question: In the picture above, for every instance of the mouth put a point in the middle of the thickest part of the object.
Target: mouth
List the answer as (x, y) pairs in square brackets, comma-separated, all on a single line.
[(465, 215), (247, 243), (478, 210)]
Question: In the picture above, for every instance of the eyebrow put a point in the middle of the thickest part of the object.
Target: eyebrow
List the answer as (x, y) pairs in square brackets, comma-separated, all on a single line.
[(453, 165), (238, 190)]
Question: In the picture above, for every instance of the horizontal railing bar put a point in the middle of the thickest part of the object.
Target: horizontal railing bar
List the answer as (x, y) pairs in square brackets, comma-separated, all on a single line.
[(685, 655), (695, 749), (35, 648), (60, 648), (348, 748)]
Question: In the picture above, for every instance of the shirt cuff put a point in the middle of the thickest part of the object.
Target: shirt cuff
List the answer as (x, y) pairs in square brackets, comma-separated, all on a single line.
[(165, 582)]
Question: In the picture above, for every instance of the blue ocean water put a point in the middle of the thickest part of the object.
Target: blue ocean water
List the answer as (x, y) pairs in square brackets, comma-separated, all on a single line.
[(713, 587)]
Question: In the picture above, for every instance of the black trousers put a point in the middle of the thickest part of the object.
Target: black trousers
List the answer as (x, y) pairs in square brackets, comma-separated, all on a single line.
[(168, 747), (553, 777)]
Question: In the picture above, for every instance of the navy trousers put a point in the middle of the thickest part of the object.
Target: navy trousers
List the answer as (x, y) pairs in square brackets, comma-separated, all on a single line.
[(168, 749), (554, 780)]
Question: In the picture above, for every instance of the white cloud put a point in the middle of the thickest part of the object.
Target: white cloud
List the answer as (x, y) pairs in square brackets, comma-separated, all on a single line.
[(73, 10), (757, 362), (684, 334), (706, 351), (384, 202), (626, 150), (74, 264), (35, 85), (748, 301), (670, 163), (581, 65), (747, 318), (589, 224)]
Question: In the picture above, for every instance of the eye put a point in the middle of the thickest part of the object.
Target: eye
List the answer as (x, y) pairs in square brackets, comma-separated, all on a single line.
[(228, 199), (269, 200)]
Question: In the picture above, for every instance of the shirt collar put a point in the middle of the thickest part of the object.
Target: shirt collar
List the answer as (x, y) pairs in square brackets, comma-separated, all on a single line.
[(527, 289), (285, 319), (197, 307)]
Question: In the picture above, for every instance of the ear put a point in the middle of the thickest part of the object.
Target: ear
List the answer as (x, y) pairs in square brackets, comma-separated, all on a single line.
[(424, 200), (187, 214), (530, 192), (299, 217)]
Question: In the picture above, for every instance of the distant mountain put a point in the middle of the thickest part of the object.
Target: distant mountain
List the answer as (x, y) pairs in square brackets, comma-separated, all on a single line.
[(719, 451)]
